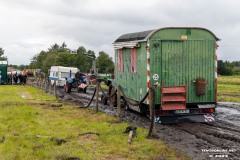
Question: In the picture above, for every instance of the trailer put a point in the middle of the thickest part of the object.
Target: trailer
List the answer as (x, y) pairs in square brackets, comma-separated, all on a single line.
[(59, 73), (3, 72), (30, 74), (179, 63)]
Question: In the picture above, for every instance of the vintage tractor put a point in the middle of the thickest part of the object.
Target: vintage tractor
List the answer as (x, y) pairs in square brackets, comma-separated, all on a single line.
[(80, 84)]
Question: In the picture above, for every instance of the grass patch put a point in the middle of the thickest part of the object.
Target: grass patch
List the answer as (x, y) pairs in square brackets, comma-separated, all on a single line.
[(229, 89), (229, 80), (103, 85), (22, 122)]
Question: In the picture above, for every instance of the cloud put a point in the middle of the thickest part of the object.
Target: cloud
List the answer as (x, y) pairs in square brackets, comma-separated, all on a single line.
[(29, 26)]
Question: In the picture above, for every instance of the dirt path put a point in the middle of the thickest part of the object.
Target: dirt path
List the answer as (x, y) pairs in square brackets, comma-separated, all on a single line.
[(218, 140)]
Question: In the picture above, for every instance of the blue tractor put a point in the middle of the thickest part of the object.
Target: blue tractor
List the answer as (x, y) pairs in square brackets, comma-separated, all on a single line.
[(79, 82)]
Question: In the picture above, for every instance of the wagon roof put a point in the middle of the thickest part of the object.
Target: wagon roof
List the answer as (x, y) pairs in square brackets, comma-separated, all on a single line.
[(143, 36)]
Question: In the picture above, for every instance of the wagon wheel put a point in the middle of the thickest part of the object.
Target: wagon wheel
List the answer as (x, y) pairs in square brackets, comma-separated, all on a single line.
[(144, 109), (104, 100), (113, 99)]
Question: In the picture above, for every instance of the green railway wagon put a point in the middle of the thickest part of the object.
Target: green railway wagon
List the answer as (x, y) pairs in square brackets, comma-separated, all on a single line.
[(3, 72), (179, 63)]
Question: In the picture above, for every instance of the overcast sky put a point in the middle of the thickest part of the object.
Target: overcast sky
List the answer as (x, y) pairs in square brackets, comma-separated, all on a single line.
[(29, 26)]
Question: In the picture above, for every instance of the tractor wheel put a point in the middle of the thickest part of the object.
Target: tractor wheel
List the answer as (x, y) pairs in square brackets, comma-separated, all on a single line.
[(79, 89)]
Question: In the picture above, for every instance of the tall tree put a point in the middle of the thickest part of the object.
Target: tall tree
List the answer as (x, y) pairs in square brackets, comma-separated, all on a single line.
[(1, 52), (81, 50), (64, 59), (22, 67), (3, 58), (64, 45), (104, 63), (40, 58), (91, 54), (1, 55), (48, 62), (225, 68), (82, 62), (54, 47)]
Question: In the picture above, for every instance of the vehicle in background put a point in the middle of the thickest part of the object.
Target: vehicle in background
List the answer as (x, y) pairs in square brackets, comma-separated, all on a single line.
[(95, 77), (30, 73), (3, 72), (79, 82), (59, 73)]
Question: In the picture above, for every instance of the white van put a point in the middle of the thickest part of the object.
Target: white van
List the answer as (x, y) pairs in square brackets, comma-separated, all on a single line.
[(59, 73)]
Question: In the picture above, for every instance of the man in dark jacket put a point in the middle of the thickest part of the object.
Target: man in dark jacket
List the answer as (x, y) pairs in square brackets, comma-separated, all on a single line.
[(79, 75), (15, 78)]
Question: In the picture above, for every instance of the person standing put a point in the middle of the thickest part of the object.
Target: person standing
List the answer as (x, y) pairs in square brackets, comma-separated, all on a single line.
[(10, 78)]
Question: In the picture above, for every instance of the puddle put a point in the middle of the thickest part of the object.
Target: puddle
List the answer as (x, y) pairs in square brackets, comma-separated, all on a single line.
[(229, 115)]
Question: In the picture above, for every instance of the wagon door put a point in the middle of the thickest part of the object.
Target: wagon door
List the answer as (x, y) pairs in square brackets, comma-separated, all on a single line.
[(184, 62), (173, 63)]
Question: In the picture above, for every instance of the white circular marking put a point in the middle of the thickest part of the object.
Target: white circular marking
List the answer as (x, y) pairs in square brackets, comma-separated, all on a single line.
[(155, 77)]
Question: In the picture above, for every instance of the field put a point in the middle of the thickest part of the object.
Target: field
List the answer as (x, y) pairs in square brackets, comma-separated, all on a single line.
[(30, 128), (229, 89)]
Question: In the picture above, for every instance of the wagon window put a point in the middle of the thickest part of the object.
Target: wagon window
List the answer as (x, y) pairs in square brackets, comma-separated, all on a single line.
[(120, 60), (133, 60)]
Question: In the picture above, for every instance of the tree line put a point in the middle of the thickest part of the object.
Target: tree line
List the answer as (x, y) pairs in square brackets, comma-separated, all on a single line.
[(2, 58), (228, 68), (60, 55)]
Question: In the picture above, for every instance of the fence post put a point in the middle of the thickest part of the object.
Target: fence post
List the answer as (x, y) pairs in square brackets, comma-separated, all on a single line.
[(41, 83), (97, 90), (119, 101), (46, 84), (152, 131), (50, 87), (36, 84), (55, 89)]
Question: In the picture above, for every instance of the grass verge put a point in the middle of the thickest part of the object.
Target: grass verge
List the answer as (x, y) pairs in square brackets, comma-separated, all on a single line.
[(229, 89), (27, 122)]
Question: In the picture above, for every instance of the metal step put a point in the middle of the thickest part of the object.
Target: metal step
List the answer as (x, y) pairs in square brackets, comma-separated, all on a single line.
[(173, 106), (175, 89), (174, 98)]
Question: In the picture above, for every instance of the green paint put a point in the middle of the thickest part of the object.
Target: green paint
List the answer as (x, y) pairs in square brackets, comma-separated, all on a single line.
[(3, 70), (177, 62)]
